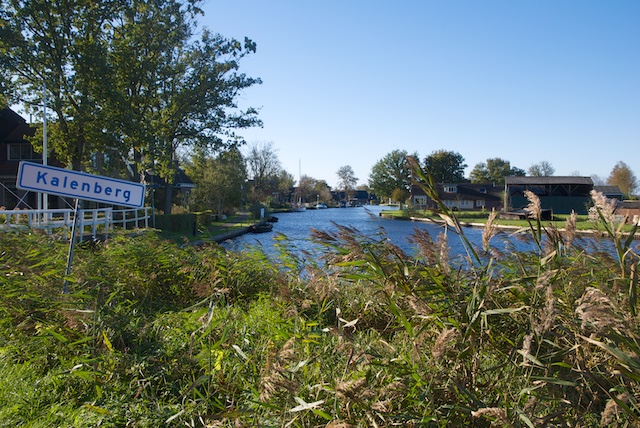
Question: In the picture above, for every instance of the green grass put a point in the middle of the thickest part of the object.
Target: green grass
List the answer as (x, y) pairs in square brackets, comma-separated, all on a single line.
[(480, 218), (215, 228)]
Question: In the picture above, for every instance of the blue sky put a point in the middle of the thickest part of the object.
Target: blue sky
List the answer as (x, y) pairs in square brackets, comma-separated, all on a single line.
[(346, 82)]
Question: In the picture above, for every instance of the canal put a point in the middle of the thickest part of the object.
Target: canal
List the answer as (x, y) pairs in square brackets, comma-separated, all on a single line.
[(296, 227)]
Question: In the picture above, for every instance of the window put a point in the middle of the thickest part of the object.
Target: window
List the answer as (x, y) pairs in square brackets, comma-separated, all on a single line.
[(450, 189), (465, 203), (483, 190), (23, 152), (480, 203)]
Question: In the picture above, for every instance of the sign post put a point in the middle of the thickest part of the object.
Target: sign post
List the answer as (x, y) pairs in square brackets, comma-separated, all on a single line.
[(78, 185), (72, 245)]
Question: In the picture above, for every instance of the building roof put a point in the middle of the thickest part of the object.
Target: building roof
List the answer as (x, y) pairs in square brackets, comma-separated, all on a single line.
[(608, 190), (547, 180), (14, 126), (468, 190), (180, 180), (629, 205)]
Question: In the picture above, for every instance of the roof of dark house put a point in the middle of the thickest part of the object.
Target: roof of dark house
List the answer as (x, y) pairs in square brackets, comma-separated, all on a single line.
[(181, 180), (477, 190), (608, 190), (547, 180), (10, 122), (629, 205)]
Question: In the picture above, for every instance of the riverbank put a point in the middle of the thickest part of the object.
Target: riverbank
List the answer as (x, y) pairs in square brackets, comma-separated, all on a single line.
[(595, 233)]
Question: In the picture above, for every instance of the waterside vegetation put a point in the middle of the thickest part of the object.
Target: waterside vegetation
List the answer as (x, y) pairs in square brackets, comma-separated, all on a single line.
[(154, 334), (583, 223)]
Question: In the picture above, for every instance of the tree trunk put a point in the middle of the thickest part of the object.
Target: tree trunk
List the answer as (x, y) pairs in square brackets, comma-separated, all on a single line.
[(168, 196)]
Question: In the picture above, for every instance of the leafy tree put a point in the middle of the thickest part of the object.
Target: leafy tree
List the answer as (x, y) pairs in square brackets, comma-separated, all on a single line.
[(541, 169), (390, 173), (623, 177), (493, 171), (218, 180), (177, 92), (400, 196), (60, 46), (347, 179), (285, 182), (312, 189), (264, 169), (445, 166), (160, 88)]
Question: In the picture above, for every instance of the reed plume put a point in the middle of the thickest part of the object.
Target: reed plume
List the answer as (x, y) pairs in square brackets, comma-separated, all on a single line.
[(489, 230), (534, 208), (275, 379), (570, 229), (605, 206), (443, 343)]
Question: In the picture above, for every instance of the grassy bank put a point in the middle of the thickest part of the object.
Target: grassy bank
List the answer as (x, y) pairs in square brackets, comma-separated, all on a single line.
[(481, 217), (156, 335)]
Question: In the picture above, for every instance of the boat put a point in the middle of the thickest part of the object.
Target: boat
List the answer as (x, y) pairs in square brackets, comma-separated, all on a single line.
[(272, 219), (299, 206), (261, 228), (321, 206)]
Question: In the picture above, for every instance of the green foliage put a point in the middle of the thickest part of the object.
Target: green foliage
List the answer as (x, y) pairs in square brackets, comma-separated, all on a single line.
[(623, 177), (176, 222), (389, 174), (219, 181), (152, 334), (160, 86), (346, 179), (494, 170), (445, 166)]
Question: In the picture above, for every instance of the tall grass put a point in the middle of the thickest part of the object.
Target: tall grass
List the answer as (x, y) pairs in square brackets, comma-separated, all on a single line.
[(152, 334)]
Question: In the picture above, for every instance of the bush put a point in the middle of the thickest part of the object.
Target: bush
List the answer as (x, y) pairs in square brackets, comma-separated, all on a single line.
[(181, 223)]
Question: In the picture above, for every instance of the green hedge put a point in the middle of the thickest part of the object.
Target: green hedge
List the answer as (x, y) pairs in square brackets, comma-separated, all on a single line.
[(177, 222), (204, 218)]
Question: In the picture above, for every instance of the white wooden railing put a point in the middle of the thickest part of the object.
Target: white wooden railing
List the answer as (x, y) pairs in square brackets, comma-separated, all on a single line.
[(90, 221)]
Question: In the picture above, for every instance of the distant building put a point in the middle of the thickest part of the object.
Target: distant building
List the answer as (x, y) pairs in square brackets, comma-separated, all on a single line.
[(14, 147), (357, 197), (559, 194), (460, 196), (630, 210), (611, 192), (181, 188)]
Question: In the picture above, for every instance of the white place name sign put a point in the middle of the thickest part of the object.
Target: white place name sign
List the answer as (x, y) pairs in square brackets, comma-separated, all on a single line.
[(80, 185)]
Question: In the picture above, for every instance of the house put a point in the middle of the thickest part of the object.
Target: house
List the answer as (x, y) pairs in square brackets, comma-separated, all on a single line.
[(14, 147), (611, 192), (460, 196), (180, 188), (559, 194), (356, 198), (630, 210)]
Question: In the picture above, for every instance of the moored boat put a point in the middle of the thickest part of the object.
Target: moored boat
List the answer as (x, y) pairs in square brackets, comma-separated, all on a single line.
[(262, 228)]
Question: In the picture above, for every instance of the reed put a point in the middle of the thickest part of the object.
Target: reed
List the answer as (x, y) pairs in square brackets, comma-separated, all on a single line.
[(360, 334)]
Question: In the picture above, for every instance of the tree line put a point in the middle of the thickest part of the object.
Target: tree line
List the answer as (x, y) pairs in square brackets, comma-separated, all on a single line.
[(135, 87), (132, 87), (391, 176)]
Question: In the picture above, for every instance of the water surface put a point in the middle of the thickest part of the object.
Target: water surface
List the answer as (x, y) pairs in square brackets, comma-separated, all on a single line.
[(296, 226)]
